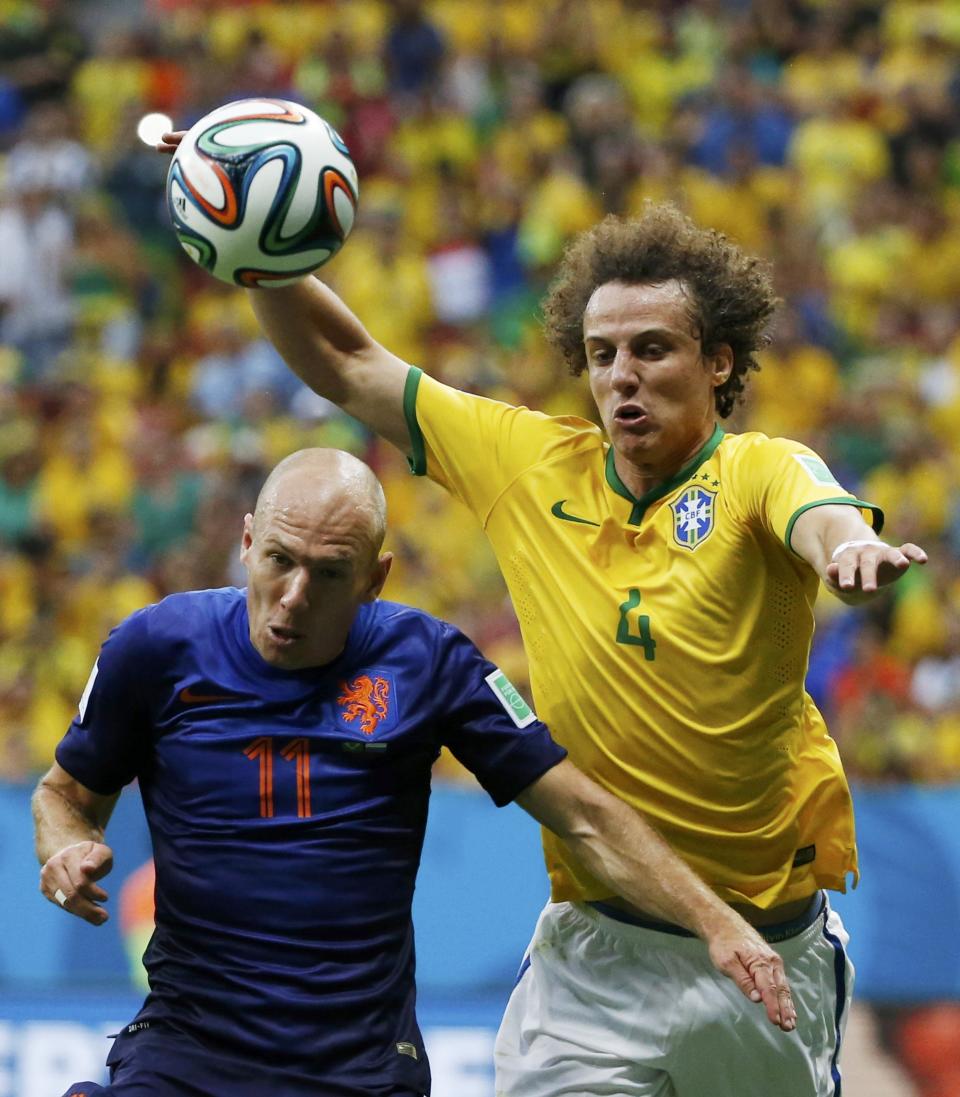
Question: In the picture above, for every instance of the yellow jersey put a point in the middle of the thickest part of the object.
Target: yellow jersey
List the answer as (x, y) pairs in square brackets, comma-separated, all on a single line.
[(667, 636)]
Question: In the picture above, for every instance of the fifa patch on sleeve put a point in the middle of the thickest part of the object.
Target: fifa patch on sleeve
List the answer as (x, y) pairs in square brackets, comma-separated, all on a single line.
[(816, 470), (85, 696), (507, 694)]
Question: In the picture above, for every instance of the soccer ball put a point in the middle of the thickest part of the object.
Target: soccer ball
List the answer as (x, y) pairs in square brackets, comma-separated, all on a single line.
[(262, 192)]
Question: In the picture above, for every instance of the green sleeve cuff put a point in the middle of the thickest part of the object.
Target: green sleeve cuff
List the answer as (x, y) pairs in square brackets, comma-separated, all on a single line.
[(844, 500), (418, 449)]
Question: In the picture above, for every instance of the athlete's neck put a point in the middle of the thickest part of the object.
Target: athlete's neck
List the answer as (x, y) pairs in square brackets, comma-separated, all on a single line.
[(643, 475)]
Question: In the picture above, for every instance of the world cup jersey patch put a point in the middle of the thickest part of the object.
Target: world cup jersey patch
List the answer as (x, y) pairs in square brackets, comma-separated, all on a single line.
[(693, 517)]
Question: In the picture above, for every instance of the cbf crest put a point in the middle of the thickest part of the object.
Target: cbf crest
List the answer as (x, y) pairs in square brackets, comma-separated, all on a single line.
[(693, 515)]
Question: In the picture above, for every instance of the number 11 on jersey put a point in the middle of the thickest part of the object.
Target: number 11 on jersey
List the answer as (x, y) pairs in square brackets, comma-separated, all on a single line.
[(298, 751)]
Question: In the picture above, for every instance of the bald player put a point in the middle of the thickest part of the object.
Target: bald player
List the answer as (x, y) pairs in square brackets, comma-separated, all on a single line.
[(282, 737)]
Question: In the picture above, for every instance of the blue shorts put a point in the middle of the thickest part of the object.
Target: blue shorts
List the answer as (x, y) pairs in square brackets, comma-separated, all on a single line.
[(168, 1065)]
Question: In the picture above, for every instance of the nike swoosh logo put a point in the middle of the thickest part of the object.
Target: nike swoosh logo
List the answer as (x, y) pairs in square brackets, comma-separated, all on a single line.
[(558, 512), (188, 697)]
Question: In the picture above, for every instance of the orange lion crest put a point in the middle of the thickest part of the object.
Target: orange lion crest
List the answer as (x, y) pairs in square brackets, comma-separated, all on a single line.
[(365, 699)]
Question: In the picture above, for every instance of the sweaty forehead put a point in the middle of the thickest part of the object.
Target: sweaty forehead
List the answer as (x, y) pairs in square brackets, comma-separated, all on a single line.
[(316, 524), (621, 306)]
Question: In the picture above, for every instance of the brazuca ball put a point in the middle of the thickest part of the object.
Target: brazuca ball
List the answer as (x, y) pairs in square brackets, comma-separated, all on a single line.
[(262, 192)]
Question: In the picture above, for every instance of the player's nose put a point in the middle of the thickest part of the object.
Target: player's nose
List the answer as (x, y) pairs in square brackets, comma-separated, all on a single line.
[(624, 376), (296, 592)]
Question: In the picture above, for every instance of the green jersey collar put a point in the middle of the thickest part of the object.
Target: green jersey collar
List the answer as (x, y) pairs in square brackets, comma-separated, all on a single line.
[(640, 505)]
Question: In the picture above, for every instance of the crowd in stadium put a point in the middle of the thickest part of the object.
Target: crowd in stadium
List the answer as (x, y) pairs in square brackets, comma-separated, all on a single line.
[(140, 408)]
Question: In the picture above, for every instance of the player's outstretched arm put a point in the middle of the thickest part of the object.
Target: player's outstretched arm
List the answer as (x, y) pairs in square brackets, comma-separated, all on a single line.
[(849, 557), (328, 348), (620, 848), (69, 822)]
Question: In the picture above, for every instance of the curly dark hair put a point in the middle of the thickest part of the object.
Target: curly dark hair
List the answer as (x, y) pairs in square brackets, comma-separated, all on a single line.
[(731, 293)]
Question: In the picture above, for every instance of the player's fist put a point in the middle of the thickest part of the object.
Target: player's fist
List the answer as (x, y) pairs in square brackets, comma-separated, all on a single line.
[(69, 879)]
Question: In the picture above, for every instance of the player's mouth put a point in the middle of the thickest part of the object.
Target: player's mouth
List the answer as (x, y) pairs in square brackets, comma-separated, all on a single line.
[(282, 636), (631, 417)]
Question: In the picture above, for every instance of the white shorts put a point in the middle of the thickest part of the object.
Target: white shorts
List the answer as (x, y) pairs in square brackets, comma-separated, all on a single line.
[(606, 1009)]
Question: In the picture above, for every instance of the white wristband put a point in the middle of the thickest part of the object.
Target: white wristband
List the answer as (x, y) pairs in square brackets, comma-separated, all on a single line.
[(844, 545)]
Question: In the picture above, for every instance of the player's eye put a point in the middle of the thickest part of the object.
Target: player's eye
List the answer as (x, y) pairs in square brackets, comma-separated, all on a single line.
[(279, 559)]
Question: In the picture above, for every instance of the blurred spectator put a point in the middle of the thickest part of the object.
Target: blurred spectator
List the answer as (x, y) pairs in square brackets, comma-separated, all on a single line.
[(825, 67), (16, 699), (40, 48), (20, 462), (567, 47), (237, 369), (167, 493), (382, 275), (107, 83), (260, 69), (871, 709), (413, 50), (79, 480), (558, 205), (133, 178), (36, 309), (48, 156), (457, 265), (348, 86), (794, 362), (741, 114), (837, 152), (601, 130), (935, 683)]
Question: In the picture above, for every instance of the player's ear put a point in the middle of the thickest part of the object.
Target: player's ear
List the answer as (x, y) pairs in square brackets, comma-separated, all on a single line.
[(720, 364), (381, 570), (246, 540)]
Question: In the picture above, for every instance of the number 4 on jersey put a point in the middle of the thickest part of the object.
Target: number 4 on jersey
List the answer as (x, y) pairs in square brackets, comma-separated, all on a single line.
[(634, 627)]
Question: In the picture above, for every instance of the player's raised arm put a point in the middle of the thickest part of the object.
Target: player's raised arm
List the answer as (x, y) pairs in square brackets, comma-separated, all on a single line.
[(329, 348), (620, 848), (331, 351), (69, 822)]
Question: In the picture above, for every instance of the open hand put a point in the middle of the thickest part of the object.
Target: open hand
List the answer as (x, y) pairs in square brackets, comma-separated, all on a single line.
[(868, 565), (757, 969)]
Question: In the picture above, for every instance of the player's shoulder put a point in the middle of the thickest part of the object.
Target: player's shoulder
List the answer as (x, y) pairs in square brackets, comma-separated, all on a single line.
[(403, 620), (571, 434), (188, 606), (411, 628), (754, 441), (754, 449), (556, 430), (180, 614)]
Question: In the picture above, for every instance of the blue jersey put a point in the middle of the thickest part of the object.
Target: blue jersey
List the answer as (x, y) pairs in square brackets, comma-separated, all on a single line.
[(287, 813)]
